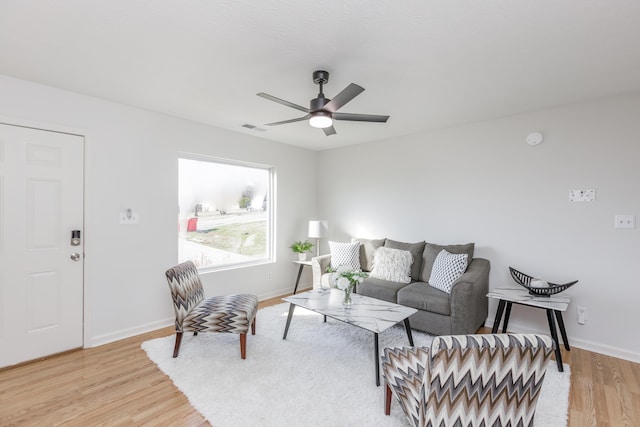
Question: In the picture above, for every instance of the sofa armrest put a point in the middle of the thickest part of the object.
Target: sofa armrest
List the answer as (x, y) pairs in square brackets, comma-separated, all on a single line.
[(319, 266), (469, 304)]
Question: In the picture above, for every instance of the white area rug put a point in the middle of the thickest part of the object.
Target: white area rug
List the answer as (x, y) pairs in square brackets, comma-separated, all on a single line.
[(321, 375)]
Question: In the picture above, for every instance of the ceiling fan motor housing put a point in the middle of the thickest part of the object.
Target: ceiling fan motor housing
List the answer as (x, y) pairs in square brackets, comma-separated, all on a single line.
[(318, 103)]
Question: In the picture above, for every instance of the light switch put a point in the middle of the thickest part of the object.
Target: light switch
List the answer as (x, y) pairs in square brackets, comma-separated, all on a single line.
[(582, 195), (129, 217)]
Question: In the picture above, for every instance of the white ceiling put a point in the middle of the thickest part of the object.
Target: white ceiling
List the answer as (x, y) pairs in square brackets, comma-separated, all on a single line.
[(428, 64)]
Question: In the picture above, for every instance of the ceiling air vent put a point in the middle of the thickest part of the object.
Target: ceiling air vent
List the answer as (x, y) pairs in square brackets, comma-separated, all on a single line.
[(252, 127)]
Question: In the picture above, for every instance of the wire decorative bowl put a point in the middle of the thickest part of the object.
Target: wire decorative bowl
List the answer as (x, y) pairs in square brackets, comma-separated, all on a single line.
[(524, 280)]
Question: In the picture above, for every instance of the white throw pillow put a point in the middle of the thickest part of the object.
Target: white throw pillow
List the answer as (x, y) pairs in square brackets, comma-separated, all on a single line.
[(447, 268), (345, 254), (392, 264)]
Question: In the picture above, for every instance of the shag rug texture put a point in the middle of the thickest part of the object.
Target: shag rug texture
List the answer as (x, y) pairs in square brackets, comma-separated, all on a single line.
[(323, 374)]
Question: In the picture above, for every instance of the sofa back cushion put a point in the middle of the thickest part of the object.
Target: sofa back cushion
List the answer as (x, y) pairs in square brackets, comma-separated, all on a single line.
[(416, 249), (367, 250), (431, 251)]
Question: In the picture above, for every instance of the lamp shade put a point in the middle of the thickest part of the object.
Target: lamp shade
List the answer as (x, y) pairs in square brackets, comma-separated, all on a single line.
[(318, 229)]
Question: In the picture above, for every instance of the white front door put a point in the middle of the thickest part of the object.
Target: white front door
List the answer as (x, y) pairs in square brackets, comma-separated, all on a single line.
[(41, 272)]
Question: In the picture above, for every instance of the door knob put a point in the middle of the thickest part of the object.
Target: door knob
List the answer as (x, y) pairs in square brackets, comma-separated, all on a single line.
[(75, 256)]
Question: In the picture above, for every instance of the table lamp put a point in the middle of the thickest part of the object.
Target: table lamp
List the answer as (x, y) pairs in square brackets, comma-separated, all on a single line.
[(317, 230)]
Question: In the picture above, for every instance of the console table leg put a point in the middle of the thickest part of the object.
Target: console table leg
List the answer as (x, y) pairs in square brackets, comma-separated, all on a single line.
[(554, 336), (298, 279), (496, 321), (286, 327), (376, 359), (507, 313), (562, 330)]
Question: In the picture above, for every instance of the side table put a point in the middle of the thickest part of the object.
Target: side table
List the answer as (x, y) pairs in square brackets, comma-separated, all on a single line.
[(302, 265), (554, 306)]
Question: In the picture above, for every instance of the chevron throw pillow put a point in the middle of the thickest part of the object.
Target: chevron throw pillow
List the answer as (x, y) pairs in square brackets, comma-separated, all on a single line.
[(447, 268)]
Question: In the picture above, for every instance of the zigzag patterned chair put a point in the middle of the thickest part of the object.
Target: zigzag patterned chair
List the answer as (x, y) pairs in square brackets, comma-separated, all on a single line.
[(194, 313), (468, 380)]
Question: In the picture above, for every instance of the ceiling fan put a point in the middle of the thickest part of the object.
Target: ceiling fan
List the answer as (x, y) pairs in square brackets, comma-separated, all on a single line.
[(323, 111)]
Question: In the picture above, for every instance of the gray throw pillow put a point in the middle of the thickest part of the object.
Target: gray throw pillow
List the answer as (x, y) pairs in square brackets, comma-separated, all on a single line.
[(367, 250), (416, 250), (432, 250)]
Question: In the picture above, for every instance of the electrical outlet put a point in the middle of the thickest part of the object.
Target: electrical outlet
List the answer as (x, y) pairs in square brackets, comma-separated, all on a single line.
[(582, 315), (625, 221), (269, 276)]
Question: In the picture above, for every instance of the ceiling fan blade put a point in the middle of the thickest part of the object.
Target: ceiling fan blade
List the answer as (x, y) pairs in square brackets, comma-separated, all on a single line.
[(283, 102), (329, 131), (343, 97), (284, 122), (360, 117)]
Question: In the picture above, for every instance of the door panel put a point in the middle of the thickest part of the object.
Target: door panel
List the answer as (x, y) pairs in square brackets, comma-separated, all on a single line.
[(41, 202)]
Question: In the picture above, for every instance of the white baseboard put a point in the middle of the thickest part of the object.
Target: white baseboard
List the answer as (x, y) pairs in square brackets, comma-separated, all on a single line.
[(152, 326), (608, 350), (285, 291), (130, 332)]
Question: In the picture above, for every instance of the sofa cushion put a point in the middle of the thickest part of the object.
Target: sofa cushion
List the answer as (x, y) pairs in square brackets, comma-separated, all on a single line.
[(380, 289), (447, 268), (345, 254), (431, 251), (421, 296), (392, 264), (367, 250), (416, 250)]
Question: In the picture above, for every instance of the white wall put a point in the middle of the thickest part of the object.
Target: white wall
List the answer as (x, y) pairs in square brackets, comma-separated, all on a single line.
[(131, 162), (482, 183)]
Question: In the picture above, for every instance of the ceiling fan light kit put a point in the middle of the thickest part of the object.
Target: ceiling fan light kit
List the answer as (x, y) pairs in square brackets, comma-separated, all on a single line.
[(320, 119), (323, 111)]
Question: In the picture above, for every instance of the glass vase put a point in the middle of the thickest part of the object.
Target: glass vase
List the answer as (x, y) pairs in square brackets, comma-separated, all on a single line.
[(347, 296)]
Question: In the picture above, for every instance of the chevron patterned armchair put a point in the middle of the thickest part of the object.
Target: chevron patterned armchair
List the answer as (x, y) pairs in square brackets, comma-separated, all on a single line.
[(194, 313), (468, 380)]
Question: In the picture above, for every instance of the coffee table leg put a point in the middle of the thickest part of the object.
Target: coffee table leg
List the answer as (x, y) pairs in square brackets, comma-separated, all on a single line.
[(286, 328), (496, 321), (376, 357), (554, 336), (562, 330), (407, 328)]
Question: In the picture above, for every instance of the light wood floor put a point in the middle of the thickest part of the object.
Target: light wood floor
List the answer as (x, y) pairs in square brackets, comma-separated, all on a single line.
[(116, 385)]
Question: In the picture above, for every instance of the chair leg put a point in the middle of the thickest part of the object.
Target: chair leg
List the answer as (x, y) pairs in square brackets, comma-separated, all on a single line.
[(253, 326), (387, 400), (195, 333), (243, 345), (176, 348)]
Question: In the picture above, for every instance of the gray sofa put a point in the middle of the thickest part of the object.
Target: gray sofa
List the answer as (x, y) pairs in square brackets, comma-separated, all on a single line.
[(462, 311)]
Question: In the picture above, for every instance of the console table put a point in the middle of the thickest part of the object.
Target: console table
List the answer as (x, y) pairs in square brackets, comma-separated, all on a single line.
[(554, 306)]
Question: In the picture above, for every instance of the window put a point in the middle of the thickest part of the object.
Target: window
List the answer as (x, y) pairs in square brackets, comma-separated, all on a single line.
[(225, 212)]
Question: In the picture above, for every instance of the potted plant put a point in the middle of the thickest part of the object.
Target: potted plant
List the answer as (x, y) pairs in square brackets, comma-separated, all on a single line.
[(301, 248)]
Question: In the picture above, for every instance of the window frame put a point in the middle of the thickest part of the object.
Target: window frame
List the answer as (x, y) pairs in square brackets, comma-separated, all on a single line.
[(271, 204)]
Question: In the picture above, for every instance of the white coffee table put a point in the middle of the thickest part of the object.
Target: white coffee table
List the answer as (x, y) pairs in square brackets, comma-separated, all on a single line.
[(554, 305), (367, 313)]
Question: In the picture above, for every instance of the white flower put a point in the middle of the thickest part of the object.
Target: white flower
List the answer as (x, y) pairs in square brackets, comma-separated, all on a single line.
[(343, 269), (342, 283)]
